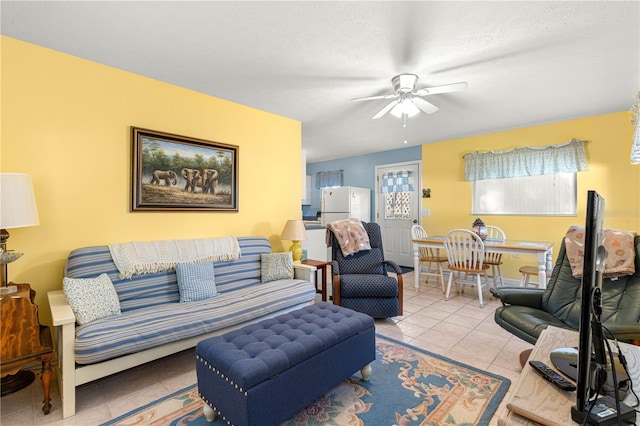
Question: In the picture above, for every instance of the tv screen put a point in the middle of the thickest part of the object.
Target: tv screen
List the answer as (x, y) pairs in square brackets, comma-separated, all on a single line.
[(590, 282), (591, 347)]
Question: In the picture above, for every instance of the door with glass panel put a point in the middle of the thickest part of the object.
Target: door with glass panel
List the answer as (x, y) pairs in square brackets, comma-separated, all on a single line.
[(397, 208)]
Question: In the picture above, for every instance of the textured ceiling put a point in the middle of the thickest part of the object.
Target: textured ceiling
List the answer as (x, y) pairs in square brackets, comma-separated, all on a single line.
[(526, 63)]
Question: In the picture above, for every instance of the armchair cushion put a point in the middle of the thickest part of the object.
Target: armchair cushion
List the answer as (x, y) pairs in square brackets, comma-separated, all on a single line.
[(526, 322), (365, 285)]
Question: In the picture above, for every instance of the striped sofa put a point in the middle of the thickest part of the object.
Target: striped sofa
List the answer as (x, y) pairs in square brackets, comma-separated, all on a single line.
[(154, 323)]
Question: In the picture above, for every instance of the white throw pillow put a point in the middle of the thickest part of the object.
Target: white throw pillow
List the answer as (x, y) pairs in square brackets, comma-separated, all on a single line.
[(276, 266), (91, 298)]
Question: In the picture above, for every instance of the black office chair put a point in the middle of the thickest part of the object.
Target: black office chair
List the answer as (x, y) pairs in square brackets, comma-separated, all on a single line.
[(360, 280)]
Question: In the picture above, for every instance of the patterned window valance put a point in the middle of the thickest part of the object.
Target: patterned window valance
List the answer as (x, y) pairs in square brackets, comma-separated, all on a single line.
[(329, 179), (527, 161), (397, 182)]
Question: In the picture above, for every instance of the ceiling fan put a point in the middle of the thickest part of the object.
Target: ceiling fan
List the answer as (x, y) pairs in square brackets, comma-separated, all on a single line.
[(407, 101)]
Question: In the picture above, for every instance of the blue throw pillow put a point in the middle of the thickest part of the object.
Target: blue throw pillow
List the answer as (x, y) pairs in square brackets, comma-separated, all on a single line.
[(196, 281)]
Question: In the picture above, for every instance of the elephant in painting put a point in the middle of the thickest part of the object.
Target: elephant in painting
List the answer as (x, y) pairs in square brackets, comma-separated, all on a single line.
[(210, 181), (206, 180), (168, 176), (191, 177)]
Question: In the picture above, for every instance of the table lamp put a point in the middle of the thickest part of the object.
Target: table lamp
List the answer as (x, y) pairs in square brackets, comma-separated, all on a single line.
[(295, 232), (17, 210)]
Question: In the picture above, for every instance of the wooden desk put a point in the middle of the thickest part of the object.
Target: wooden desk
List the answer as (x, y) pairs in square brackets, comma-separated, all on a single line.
[(23, 339), (536, 400), (543, 251), (322, 267)]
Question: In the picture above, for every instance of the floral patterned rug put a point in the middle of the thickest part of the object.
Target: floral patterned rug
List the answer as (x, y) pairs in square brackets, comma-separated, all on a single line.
[(408, 386)]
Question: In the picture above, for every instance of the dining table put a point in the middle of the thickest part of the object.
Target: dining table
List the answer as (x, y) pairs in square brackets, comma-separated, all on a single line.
[(542, 250)]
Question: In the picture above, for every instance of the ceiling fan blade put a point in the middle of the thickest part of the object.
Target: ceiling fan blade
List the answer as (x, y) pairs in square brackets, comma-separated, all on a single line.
[(454, 87), (425, 106), (370, 98), (385, 110)]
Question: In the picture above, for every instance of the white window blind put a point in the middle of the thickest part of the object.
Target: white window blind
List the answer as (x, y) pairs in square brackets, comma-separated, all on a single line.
[(544, 195)]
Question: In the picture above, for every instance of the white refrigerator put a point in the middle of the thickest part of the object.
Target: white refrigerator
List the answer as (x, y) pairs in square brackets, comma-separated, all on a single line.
[(345, 202)]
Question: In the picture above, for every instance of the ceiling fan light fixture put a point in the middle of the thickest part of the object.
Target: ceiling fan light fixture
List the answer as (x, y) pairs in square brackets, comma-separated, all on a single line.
[(405, 107)]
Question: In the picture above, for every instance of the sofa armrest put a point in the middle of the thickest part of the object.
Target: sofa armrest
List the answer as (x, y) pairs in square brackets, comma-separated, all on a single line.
[(530, 297), (64, 322), (61, 312), (304, 272)]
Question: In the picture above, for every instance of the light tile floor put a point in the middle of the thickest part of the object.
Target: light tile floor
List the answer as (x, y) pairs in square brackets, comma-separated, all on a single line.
[(458, 328)]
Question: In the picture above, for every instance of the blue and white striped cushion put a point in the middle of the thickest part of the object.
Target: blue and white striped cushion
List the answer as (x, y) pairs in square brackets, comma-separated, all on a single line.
[(151, 315), (196, 281), (145, 328)]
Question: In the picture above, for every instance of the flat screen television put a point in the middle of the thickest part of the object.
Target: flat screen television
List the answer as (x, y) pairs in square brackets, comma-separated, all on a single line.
[(591, 348)]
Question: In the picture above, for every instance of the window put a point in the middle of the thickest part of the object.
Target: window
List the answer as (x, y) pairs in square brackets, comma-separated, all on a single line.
[(545, 195), (397, 188), (527, 180), (329, 179)]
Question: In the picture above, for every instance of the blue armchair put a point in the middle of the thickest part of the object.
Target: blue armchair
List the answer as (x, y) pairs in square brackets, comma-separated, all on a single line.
[(360, 280)]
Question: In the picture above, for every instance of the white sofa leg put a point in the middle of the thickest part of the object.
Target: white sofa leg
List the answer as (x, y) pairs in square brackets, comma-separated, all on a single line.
[(366, 372), (209, 413)]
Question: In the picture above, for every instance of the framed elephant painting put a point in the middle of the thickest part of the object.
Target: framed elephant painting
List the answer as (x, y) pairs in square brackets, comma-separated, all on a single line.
[(172, 172)]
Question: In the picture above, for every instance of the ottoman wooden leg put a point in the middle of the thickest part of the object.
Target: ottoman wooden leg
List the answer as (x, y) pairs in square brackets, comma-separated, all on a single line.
[(209, 413), (366, 372)]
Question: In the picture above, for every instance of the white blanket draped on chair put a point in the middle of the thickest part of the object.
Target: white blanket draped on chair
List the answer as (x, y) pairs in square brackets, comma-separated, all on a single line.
[(136, 258)]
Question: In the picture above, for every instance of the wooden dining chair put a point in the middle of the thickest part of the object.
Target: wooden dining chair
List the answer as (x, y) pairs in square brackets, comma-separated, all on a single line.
[(494, 260), (429, 256), (465, 254)]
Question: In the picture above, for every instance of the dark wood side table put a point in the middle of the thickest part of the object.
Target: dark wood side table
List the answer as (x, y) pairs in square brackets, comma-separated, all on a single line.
[(24, 340), (322, 267)]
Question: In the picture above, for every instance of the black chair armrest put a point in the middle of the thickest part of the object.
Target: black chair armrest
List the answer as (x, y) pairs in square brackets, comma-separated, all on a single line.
[(394, 266), (624, 332), (530, 297)]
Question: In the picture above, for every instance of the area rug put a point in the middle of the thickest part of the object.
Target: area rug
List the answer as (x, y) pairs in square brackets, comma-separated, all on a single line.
[(408, 386)]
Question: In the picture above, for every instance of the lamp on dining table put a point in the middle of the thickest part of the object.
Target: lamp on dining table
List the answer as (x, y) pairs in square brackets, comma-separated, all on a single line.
[(295, 232)]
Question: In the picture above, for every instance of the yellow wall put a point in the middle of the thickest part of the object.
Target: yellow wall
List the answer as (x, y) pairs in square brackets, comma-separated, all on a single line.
[(66, 121), (610, 173)]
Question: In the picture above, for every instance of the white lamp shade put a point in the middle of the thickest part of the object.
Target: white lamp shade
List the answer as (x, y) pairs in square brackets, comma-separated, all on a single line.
[(17, 201), (294, 231)]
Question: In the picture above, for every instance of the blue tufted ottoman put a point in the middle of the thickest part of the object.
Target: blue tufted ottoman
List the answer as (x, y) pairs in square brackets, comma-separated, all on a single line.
[(264, 373)]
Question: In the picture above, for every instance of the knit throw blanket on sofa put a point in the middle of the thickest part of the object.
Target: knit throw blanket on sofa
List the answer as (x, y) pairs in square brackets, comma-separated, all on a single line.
[(137, 258)]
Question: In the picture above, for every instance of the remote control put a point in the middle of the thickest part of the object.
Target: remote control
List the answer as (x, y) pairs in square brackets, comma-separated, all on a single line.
[(547, 373)]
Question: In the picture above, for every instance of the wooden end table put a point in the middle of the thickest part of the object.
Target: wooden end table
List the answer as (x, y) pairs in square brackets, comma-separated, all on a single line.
[(322, 267), (24, 340)]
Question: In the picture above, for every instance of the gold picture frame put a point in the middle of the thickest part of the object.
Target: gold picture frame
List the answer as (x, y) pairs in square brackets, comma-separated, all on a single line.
[(179, 173)]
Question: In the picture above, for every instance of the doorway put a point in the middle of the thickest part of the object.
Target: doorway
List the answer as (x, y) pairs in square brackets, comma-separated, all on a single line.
[(397, 207)]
